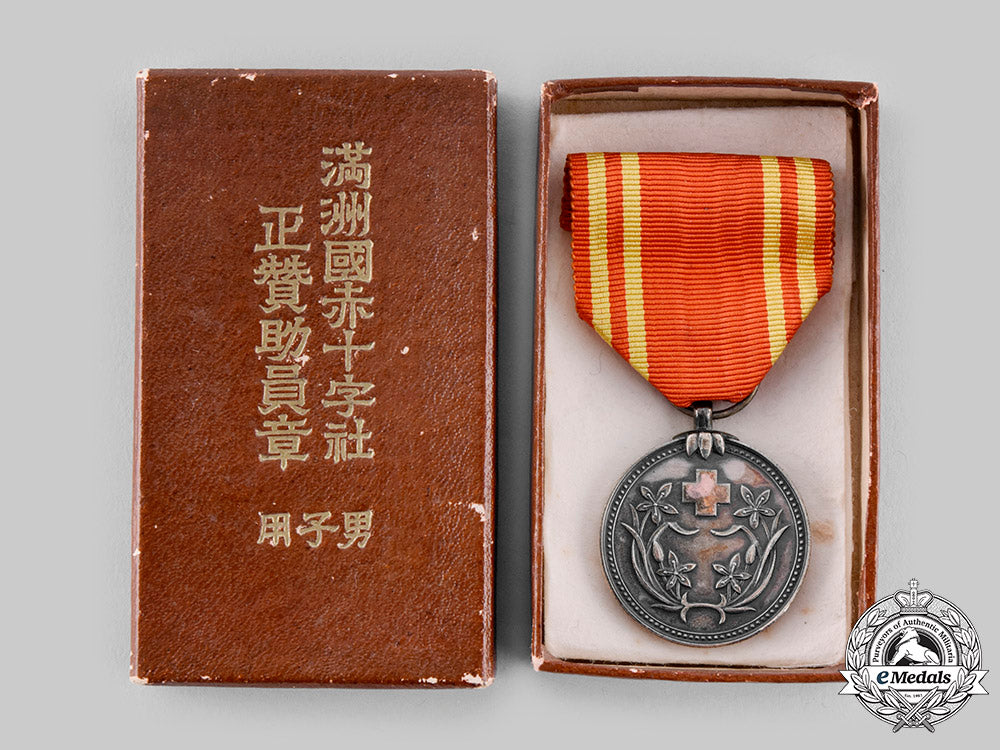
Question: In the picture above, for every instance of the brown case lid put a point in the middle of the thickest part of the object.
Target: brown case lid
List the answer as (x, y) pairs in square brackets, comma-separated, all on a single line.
[(302, 513)]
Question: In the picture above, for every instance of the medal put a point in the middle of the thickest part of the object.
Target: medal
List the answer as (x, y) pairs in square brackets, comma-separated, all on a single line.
[(698, 269)]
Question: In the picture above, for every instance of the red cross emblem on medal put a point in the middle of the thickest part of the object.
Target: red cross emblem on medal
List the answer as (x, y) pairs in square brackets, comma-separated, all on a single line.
[(706, 493)]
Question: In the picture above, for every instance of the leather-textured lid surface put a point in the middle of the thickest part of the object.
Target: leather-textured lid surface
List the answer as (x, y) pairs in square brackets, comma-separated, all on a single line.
[(314, 457)]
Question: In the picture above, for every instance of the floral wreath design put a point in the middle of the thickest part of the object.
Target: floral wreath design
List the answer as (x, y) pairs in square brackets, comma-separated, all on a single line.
[(740, 580), (940, 703)]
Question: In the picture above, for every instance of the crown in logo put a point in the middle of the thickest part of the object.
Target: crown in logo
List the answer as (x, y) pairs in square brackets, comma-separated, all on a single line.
[(913, 602)]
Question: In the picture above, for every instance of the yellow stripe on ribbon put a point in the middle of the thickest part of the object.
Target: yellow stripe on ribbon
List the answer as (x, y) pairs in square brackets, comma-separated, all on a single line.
[(805, 237), (632, 221), (777, 335), (597, 211)]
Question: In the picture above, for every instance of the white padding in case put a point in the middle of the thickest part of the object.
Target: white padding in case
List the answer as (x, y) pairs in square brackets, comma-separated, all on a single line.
[(601, 416)]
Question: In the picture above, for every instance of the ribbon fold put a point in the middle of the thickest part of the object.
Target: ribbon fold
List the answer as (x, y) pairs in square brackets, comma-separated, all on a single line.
[(698, 268)]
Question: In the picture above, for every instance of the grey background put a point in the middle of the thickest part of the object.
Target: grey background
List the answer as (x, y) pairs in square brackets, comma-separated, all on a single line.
[(68, 185)]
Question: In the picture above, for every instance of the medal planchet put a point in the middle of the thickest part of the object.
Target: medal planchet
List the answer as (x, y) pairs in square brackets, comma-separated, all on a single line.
[(704, 541)]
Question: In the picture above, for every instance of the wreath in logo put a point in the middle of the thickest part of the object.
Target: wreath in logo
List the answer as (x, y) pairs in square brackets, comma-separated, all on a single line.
[(937, 703)]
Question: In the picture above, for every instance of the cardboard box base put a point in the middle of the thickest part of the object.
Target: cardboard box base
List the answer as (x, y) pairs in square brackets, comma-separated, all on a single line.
[(813, 415)]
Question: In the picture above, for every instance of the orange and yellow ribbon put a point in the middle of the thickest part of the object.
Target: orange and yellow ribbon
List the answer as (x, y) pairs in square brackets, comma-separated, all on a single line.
[(699, 268)]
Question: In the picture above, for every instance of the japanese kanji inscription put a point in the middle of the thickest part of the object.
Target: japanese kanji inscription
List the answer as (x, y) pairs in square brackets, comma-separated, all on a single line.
[(344, 224), (276, 528)]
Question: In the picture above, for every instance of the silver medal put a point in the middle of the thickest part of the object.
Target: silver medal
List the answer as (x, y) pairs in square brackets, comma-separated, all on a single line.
[(704, 540)]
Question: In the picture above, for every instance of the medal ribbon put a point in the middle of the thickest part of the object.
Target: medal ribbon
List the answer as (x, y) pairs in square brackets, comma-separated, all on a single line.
[(699, 268)]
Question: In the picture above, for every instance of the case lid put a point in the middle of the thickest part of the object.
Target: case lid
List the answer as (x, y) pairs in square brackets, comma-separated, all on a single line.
[(315, 378)]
